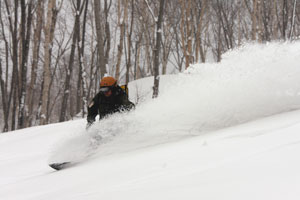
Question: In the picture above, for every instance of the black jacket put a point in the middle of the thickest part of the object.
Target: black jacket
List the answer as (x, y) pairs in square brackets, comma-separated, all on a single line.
[(104, 106)]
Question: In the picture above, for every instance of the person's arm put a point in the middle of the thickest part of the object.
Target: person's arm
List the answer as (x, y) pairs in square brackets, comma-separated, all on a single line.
[(92, 110), (126, 104)]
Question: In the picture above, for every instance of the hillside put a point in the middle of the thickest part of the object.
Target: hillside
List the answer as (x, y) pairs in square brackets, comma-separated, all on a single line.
[(217, 131)]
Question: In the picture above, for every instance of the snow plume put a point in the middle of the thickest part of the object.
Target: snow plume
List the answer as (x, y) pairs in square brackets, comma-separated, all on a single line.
[(251, 82)]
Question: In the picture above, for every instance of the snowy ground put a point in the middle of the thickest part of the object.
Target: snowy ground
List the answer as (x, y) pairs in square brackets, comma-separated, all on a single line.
[(217, 131)]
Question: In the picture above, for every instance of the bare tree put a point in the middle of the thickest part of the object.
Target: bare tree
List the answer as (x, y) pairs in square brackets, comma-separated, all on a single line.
[(25, 36), (51, 12), (201, 9), (293, 20), (35, 60), (4, 98), (253, 17), (75, 38), (129, 42), (82, 82), (156, 51), (4, 77), (186, 31), (100, 36), (13, 25), (122, 35)]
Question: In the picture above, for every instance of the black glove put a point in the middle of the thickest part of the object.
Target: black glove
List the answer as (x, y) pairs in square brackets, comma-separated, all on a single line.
[(88, 125)]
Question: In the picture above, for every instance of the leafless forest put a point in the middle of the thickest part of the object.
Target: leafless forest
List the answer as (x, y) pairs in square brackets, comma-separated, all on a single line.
[(53, 53)]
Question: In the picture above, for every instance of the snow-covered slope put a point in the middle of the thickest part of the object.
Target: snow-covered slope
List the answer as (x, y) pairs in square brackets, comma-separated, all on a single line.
[(192, 142)]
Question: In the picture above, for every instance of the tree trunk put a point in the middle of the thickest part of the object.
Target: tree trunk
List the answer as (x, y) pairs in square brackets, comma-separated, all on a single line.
[(122, 35), (76, 31), (183, 34), (157, 48), (189, 30), (285, 18), (81, 102), (47, 64), (274, 21), (35, 60), (84, 79), (186, 31), (137, 62), (129, 43), (199, 43), (25, 33), (4, 99), (253, 17), (148, 55), (107, 30), (293, 20), (4, 81), (15, 79), (100, 43)]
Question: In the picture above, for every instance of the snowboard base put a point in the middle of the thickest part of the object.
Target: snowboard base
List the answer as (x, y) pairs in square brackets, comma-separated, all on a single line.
[(59, 166)]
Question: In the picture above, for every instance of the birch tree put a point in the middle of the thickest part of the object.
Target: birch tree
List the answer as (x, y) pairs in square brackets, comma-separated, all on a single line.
[(82, 82), (156, 51)]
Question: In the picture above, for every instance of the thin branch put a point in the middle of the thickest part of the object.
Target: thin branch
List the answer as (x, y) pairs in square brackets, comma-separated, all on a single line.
[(151, 11)]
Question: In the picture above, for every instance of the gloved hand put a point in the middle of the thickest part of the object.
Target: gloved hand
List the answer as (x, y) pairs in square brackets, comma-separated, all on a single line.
[(88, 125)]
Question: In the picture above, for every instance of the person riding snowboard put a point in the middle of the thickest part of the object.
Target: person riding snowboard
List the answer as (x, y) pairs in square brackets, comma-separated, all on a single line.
[(110, 99)]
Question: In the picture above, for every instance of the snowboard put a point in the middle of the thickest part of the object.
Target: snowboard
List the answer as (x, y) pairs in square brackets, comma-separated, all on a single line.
[(60, 166)]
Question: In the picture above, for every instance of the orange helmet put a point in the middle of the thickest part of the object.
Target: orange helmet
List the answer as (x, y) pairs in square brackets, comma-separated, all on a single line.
[(108, 81)]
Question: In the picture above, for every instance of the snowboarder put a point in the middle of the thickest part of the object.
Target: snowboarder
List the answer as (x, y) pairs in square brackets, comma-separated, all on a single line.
[(110, 99)]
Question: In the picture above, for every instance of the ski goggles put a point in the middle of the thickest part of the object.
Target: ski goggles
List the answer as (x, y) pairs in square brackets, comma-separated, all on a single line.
[(105, 89)]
